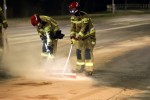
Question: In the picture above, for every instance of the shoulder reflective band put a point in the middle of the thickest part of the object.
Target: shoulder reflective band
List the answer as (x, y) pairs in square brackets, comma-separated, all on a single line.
[(85, 20), (76, 22)]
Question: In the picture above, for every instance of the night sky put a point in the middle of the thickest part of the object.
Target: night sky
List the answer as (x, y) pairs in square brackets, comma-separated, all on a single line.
[(24, 8)]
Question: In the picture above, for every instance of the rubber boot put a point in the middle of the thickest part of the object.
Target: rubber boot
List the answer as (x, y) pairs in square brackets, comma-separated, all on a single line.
[(89, 73), (78, 69)]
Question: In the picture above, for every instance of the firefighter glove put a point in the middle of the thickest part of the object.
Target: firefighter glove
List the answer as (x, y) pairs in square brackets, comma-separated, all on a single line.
[(73, 41), (79, 36), (93, 43)]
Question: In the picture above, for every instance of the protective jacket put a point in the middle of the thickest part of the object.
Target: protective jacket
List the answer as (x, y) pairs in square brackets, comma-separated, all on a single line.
[(3, 24), (82, 25), (3, 20), (83, 32), (46, 28)]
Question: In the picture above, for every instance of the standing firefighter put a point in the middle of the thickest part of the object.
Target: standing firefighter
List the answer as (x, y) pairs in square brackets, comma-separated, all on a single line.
[(3, 24), (49, 33), (83, 37)]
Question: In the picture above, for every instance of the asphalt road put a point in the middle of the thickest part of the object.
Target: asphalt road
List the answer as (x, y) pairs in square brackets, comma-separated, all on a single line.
[(121, 72)]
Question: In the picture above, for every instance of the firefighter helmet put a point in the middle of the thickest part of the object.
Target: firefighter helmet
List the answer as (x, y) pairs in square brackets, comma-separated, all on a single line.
[(74, 7), (34, 20)]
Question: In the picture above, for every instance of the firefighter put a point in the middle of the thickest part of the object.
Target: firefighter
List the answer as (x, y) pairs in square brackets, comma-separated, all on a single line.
[(49, 32), (82, 35), (3, 24)]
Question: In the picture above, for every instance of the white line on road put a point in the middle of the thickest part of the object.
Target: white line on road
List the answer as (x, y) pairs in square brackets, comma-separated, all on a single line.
[(121, 27), (33, 36)]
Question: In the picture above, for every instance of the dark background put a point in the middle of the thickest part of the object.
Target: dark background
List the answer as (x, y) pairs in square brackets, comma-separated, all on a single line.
[(25, 8)]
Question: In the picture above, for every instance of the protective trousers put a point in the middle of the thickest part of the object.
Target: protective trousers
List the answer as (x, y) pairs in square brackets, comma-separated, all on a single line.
[(1, 39), (53, 47), (84, 54), (1, 45)]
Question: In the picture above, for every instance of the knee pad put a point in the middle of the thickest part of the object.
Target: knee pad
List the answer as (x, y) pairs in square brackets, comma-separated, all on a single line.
[(78, 53), (87, 54)]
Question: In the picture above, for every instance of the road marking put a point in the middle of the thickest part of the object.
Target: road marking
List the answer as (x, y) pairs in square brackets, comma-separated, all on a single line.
[(33, 36), (21, 35), (121, 27)]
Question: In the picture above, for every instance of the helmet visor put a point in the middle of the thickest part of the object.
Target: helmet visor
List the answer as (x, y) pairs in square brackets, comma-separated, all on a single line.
[(73, 10)]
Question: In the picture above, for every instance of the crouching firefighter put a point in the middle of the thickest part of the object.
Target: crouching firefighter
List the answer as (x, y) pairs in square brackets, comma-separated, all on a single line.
[(49, 33), (83, 37)]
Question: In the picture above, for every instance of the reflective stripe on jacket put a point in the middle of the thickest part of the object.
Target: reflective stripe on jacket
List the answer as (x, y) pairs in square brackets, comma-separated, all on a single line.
[(82, 25), (47, 25)]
